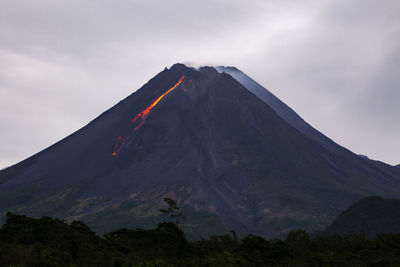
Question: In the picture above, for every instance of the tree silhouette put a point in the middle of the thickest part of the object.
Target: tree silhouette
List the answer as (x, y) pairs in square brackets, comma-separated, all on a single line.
[(172, 210)]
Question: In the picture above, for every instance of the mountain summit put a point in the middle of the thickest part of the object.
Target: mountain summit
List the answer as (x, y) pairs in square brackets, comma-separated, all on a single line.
[(205, 138)]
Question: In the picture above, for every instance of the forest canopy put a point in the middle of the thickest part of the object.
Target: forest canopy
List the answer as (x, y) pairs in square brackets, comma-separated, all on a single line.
[(26, 241)]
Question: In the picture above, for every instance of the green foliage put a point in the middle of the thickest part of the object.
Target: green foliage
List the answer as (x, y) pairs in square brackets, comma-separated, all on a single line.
[(46, 241)]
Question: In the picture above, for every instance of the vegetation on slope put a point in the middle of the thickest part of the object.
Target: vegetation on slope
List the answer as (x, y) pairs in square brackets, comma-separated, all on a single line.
[(371, 215)]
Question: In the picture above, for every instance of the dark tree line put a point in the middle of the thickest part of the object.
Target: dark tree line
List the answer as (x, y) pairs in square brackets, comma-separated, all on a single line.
[(46, 241)]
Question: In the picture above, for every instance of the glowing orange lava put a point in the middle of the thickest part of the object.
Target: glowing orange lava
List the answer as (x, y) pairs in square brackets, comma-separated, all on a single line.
[(118, 146), (143, 115)]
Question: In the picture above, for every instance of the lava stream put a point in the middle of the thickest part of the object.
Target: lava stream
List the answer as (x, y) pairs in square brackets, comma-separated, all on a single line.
[(118, 146), (143, 115)]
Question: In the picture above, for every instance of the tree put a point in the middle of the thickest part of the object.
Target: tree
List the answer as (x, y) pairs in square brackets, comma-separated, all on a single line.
[(172, 210)]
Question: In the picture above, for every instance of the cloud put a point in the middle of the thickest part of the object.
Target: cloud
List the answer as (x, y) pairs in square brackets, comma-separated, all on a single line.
[(336, 63)]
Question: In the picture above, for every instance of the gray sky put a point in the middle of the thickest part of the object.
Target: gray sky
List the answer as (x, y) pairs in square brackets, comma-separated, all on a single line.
[(335, 62)]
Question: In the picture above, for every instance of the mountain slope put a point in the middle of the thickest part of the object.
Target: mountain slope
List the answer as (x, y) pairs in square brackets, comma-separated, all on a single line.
[(285, 112), (371, 215), (200, 137), (281, 109)]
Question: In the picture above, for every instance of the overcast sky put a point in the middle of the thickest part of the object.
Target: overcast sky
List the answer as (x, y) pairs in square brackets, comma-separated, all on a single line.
[(335, 62)]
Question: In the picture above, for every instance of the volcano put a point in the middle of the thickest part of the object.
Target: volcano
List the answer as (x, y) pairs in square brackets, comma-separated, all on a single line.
[(228, 151)]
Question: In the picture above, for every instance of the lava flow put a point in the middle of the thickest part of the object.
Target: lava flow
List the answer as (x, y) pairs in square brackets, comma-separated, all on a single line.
[(143, 115), (118, 146)]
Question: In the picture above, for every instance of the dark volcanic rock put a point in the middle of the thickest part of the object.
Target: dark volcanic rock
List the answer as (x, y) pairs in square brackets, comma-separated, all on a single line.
[(226, 156), (290, 116)]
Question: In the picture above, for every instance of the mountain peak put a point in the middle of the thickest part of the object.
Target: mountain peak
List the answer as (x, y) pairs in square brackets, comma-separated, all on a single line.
[(209, 141), (230, 68), (179, 67)]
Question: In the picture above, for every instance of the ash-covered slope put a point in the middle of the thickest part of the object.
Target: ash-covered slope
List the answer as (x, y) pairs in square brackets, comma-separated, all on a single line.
[(283, 110), (199, 137), (289, 115)]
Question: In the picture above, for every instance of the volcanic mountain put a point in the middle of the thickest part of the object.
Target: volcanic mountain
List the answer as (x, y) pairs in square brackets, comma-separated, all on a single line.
[(230, 158)]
